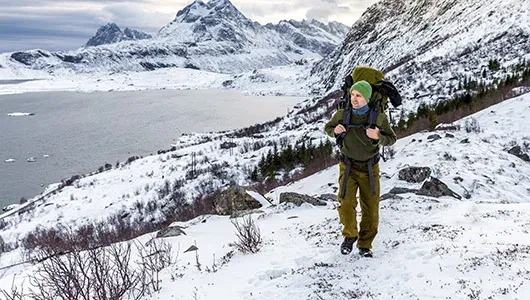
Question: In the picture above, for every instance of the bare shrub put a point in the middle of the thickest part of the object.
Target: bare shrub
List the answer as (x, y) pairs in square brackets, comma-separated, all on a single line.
[(155, 256), (99, 273), (14, 293), (248, 234)]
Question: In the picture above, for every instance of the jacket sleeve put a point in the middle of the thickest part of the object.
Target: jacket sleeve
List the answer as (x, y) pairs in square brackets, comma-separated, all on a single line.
[(387, 136), (336, 120)]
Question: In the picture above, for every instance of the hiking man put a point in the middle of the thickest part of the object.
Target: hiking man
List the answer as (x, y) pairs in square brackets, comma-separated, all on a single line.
[(359, 168)]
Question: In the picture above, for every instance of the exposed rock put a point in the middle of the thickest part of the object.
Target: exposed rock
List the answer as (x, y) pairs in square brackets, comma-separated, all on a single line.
[(328, 197), (191, 248), (464, 141), (433, 137), (448, 135), (234, 199), (517, 151), (298, 199), (170, 231), (436, 188), (414, 174), (401, 190), (111, 33), (228, 145), (3, 246)]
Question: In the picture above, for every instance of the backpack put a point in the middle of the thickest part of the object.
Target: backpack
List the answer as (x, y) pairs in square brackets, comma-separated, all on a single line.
[(382, 91)]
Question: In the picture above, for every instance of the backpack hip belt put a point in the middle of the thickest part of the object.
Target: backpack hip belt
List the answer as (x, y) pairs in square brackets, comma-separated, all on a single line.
[(349, 162)]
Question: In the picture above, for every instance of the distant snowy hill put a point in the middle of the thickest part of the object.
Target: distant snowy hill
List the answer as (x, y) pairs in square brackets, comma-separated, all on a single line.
[(111, 33), (428, 47), (427, 247), (213, 36)]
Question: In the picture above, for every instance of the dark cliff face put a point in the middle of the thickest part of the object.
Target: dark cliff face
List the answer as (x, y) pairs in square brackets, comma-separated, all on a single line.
[(427, 46)]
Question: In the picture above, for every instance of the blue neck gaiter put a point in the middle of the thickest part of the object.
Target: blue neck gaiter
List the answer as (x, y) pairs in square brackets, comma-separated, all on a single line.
[(361, 110)]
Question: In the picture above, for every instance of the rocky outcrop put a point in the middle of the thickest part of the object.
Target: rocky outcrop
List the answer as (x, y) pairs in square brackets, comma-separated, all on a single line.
[(234, 199), (414, 174), (170, 231), (432, 188), (328, 197), (436, 188), (517, 151), (298, 199)]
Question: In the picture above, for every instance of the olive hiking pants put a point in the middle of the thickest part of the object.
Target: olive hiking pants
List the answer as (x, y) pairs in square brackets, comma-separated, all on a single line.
[(359, 180)]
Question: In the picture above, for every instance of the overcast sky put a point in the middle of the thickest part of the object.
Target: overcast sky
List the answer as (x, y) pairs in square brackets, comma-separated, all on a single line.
[(63, 25)]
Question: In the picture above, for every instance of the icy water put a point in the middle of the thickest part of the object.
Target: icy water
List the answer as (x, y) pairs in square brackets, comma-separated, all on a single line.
[(75, 133)]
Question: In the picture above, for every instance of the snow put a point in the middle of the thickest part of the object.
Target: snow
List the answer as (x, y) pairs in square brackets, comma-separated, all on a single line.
[(427, 248), (9, 160), (264, 202), (270, 81), (20, 114)]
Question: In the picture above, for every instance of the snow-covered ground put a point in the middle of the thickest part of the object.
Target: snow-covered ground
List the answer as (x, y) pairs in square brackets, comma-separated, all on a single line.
[(281, 81), (427, 248)]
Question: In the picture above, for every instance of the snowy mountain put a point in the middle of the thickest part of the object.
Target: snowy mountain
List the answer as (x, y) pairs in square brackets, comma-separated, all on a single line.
[(312, 35), (213, 36), (428, 47), (427, 247), (111, 33)]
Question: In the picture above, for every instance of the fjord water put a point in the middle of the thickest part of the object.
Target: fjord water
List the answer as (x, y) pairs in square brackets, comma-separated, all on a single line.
[(82, 131)]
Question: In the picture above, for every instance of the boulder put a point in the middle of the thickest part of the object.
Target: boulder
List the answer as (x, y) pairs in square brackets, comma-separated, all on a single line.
[(191, 248), (436, 188), (517, 151), (234, 199), (328, 197), (298, 199), (170, 231), (414, 174), (393, 193), (433, 137), (401, 190)]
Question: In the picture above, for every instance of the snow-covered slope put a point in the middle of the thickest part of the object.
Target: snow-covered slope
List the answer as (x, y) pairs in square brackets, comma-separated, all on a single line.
[(428, 47), (314, 35), (427, 248), (111, 33), (213, 36)]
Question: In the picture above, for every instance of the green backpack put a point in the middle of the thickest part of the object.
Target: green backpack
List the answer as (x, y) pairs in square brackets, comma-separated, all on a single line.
[(382, 91)]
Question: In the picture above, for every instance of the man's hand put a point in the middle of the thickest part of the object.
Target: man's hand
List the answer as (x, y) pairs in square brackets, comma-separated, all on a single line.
[(372, 133), (339, 129)]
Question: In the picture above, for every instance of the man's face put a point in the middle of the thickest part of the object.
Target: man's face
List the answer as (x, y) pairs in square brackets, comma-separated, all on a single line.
[(357, 99)]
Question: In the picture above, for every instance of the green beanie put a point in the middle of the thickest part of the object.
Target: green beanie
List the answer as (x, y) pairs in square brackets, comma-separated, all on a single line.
[(364, 88)]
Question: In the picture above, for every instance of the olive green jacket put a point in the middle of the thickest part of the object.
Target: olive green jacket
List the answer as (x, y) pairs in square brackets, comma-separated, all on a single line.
[(357, 145)]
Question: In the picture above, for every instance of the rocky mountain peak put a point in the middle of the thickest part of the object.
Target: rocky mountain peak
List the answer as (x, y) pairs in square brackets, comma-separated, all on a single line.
[(111, 33)]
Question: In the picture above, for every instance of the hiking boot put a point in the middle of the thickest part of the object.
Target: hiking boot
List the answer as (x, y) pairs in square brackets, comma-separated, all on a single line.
[(365, 252), (347, 245)]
